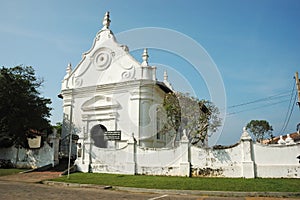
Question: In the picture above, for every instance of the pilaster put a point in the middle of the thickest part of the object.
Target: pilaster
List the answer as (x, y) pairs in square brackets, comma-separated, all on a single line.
[(131, 156), (247, 162), (185, 166)]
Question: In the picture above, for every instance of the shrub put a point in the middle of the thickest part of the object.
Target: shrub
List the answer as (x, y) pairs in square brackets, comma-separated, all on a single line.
[(5, 164)]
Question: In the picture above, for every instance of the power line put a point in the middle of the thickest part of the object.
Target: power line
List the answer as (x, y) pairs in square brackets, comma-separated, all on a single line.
[(273, 97), (288, 120), (287, 116), (261, 100), (256, 108)]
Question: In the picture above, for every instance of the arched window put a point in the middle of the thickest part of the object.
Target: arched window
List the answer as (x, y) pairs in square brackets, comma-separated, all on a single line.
[(97, 134)]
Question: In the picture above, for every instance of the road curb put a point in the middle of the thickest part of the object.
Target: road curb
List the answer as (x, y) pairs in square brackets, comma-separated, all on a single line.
[(179, 192)]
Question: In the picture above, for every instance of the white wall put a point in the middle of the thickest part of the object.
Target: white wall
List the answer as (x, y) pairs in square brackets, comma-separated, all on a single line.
[(216, 162), (158, 162), (277, 160), (29, 158), (244, 159)]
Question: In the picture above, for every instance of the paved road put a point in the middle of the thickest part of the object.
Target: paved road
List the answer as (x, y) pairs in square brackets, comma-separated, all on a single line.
[(27, 186), (10, 190)]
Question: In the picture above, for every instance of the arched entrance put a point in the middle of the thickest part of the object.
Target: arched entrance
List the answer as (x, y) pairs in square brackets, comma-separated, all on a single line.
[(97, 134)]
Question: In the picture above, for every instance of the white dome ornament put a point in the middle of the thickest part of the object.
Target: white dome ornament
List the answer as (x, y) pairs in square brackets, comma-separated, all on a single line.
[(281, 140), (184, 137), (245, 135), (289, 140)]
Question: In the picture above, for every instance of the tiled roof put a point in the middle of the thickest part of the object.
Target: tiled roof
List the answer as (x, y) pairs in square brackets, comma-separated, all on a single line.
[(295, 136)]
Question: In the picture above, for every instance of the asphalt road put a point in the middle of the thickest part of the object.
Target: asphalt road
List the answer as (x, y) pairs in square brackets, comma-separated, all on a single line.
[(10, 190), (22, 191)]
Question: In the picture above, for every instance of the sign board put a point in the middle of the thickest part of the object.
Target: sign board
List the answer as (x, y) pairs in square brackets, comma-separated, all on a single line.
[(112, 135), (35, 142)]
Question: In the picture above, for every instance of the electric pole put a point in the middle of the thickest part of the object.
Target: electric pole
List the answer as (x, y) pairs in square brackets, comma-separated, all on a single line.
[(298, 87)]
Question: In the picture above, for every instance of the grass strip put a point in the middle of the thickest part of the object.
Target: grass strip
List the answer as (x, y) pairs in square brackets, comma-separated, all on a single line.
[(4, 172), (186, 183)]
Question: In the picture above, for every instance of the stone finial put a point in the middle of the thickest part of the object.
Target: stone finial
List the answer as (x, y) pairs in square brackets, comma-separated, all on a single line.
[(165, 76), (166, 81), (281, 140), (145, 57), (184, 137), (69, 69), (289, 140), (106, 21), (245, 135)]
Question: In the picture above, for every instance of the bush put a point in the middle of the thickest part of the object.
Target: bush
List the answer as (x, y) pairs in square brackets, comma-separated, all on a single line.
[(5, 164), (5, 141)]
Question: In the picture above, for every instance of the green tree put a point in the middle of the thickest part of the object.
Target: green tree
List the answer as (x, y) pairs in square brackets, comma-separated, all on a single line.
[(58, 127), (22, 109), (260, 129), (195, 116), (172, 112)]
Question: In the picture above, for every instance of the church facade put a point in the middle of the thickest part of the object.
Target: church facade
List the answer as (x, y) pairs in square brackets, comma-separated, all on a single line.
[(110, 97)]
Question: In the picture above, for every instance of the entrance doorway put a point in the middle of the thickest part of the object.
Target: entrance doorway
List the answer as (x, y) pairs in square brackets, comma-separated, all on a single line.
[(97, 134)]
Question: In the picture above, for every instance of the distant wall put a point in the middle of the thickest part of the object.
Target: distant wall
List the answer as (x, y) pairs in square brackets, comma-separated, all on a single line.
[(277, 160), (32, 158), (244, 159)]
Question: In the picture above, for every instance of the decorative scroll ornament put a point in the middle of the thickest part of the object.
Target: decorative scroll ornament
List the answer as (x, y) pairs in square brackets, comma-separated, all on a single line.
[(128, 74), (102, 59), (78, 82)]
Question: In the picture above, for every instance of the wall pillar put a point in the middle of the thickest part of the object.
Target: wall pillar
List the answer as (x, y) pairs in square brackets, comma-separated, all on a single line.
[(55, 146), (84, 162), (247, 162), (185, 166), (131, 156)]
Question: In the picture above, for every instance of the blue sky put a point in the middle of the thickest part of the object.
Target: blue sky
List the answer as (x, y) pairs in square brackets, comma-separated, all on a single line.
[(254, 44)]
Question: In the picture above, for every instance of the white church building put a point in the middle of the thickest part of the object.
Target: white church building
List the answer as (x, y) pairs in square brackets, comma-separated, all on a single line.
[(110, 96), (112, 105)]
